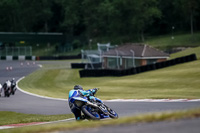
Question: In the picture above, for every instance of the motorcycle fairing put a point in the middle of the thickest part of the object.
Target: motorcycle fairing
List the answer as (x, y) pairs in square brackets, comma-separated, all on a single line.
[(80, 99), (96, 99)]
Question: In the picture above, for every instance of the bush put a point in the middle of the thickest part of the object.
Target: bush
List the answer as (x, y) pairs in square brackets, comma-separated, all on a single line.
[(76, 44)]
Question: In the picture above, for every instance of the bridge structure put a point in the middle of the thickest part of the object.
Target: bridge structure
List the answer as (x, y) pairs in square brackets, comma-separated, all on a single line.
[(9, 39), (38, 37)]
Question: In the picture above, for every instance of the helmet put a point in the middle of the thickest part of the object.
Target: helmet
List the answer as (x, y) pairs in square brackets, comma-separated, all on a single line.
[(13, 79), (78, 87)]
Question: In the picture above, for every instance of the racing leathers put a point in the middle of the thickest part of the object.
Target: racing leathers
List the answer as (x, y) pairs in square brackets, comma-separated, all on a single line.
[(78, 93)]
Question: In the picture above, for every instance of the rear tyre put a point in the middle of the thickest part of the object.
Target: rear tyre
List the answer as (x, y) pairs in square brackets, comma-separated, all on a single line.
[(89, 113), (7, 94), (13, 92)]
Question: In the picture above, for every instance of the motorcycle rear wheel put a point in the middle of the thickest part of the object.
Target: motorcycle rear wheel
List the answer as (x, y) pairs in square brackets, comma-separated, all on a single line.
[(92, 115)]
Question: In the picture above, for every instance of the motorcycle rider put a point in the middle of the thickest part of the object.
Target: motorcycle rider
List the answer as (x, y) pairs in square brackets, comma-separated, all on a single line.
[(0, 89), (7, 87), (79, 92), (13, 85)]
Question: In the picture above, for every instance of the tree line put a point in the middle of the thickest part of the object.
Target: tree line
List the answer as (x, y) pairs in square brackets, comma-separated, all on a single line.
[(101, 18)]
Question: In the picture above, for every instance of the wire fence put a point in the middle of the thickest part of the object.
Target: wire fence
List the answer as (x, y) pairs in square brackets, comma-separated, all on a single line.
[(16, 51)]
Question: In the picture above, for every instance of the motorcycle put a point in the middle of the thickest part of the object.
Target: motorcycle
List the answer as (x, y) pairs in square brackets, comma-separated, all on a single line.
[(1, 89), (7, 90), (13, 88), (93, 108)]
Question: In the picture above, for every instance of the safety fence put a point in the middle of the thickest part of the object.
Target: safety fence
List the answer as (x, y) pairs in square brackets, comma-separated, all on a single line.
[(16, 51), (58, 57), (21, 57), (86, 65), (17, 57), (136, 70)]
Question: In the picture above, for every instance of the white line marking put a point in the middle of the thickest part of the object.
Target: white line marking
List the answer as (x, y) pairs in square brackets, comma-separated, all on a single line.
[(40, 66), (153, 100), (5, 127), (42, 123), (56, 121), (114, 100), (32, 94)]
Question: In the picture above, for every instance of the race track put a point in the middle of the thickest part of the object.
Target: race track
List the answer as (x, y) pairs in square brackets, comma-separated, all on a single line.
[(179, 126), (25, 103)]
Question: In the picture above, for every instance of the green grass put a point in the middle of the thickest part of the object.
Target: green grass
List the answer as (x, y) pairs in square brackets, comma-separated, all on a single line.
[(188, 51), (66, 126), (180, 40), (180, 81), (16, 118), (162, 42)]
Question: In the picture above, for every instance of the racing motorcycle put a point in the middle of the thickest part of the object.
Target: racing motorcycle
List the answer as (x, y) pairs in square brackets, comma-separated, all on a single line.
[(93, 108), (0, 89), (7, 90), (13, 88)]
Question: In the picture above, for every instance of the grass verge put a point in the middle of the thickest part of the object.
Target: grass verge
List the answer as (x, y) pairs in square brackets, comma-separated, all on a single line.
[(16, 118), (188, 51), (180, 40), (155, 117), (180, 81)]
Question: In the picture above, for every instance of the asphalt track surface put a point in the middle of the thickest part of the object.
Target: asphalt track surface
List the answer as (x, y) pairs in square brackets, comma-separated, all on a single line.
[(179, 126), (28, 104), (24, 103)]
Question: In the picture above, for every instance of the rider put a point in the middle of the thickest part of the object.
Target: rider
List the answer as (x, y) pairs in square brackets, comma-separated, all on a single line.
[(79, 92), (13, 81), (7, 87), (13, 84), (0, 89), (8, 83)]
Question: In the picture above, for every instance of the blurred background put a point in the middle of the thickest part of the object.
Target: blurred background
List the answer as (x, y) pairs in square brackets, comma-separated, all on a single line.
[(64, 27)]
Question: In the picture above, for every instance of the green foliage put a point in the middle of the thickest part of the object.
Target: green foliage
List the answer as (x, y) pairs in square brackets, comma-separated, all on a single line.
[(100, 18), (23, 16), (76, 44)]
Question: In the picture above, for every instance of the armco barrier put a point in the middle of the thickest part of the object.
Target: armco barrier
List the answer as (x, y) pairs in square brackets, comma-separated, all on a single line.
[(86, 65), (131, 71), (17, 58), (78, 65), (58, 57)]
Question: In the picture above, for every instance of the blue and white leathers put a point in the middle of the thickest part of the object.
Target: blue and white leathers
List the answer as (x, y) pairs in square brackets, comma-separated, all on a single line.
[(92, 107), (78, 95)]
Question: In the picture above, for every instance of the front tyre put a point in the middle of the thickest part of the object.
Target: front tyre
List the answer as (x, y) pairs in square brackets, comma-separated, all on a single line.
[(89, 113), (112, 113)]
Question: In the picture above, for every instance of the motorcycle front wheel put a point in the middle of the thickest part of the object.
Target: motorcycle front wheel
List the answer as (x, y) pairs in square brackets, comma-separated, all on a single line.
[(89, 113), (112, 113)]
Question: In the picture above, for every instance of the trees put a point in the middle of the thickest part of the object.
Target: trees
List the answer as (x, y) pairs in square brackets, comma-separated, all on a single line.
[(145, 13), (190, 11), (8, 11), (21, 16), (99, 18)]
